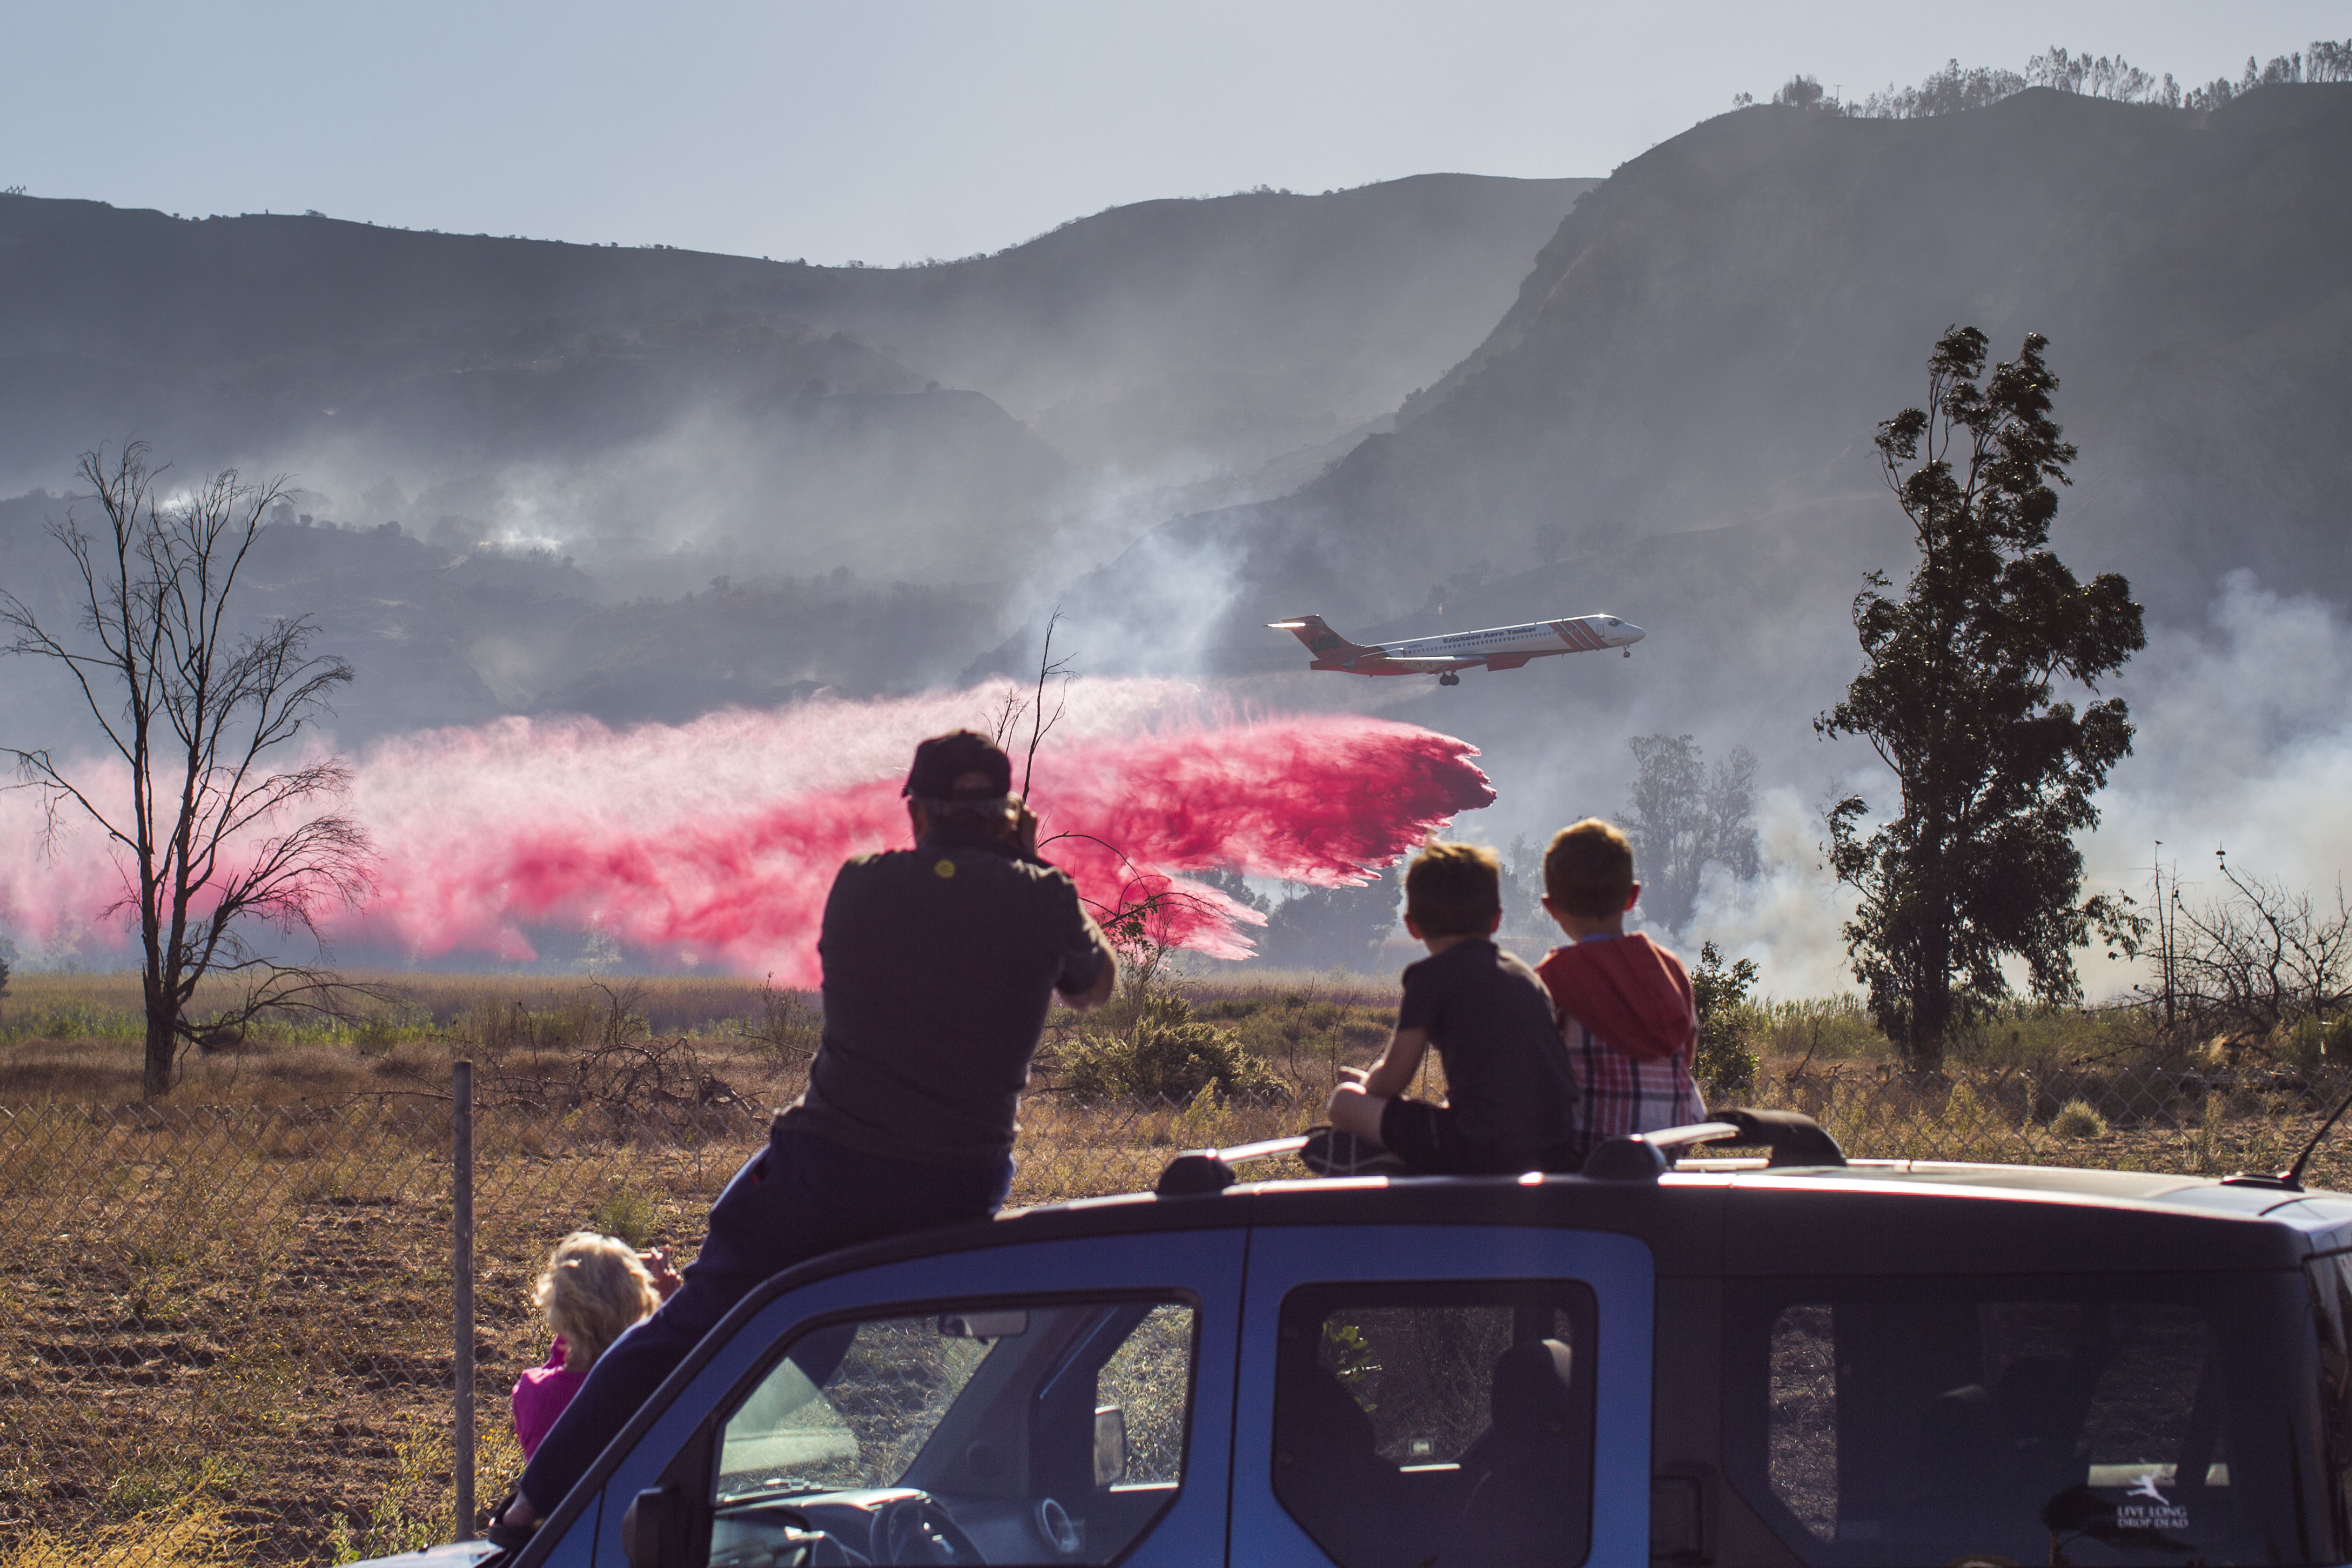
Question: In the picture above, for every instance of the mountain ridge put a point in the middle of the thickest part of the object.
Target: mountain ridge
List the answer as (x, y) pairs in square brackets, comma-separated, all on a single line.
[(1712, 334)]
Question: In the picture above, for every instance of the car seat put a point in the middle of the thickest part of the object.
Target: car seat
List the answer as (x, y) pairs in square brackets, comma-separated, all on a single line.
[(1989, 1458), (1329, 1474), (1530, 1470), (2040, 1402)]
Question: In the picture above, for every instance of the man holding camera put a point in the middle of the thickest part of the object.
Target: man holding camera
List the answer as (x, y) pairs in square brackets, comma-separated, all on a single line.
[(940, 964)]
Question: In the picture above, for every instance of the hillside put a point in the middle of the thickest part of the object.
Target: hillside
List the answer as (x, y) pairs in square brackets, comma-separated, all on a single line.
[(1677, 408), (756, 412)]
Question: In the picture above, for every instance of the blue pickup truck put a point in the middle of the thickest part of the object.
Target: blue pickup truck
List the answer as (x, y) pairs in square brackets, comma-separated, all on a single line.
[(1670, 1358)]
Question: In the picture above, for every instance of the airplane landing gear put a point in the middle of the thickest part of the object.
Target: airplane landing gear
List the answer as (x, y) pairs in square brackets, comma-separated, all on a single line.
[(1449, 679)]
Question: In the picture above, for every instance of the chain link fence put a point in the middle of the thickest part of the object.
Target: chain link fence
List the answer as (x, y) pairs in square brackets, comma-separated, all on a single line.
[(227, 1334)]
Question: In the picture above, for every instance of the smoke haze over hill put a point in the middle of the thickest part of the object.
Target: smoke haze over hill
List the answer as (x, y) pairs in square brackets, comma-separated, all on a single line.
[(1672, 422), (648, 486), (624, 405)]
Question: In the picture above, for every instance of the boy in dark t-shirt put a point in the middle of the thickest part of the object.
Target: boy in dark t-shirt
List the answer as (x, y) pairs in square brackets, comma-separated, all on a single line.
[(1510, 1096)]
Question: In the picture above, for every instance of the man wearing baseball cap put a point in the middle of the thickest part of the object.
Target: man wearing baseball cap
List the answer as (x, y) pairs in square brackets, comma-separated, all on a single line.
[(940, 964)]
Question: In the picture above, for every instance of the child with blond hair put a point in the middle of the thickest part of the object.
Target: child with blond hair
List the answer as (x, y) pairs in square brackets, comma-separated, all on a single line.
[(595, 1290), (1625, 1005)]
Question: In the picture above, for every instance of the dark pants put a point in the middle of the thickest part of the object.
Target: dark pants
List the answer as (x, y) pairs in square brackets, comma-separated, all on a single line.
[(797, 1199), (1430, 1137)]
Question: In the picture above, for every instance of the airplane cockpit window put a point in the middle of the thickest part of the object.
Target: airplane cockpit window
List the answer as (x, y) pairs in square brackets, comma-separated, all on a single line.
[(1005, 1433)]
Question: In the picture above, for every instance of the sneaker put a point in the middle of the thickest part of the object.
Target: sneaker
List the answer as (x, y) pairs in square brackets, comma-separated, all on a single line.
[(1331, 1152)]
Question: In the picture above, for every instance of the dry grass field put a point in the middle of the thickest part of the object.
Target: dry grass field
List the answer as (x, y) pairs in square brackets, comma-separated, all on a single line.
[(225, 1334)]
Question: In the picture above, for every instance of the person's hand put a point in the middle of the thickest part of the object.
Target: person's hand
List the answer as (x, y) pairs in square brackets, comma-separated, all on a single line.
[(665, 1279), (1024, 831), (1350, 1110), (1355, 1075)]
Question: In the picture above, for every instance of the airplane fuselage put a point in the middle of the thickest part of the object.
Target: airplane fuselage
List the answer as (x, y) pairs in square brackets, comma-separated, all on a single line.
[(1494, 647)]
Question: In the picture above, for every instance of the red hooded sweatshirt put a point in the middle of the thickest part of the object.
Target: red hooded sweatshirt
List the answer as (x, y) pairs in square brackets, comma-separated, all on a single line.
[(1629, 992)]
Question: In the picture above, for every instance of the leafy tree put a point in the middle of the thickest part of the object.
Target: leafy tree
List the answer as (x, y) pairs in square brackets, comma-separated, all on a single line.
[(1957, 696), (1724, 1061), (1233, 885), (1522, 890), (1683, 816), (220, 830), (1799, 92), (1326, 928)]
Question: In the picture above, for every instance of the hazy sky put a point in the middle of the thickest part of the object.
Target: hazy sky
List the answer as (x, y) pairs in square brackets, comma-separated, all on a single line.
[(893, 132)]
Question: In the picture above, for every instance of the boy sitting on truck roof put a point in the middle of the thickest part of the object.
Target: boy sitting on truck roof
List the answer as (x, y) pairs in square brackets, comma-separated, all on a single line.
[(1511, 1098), (1625, 1005)]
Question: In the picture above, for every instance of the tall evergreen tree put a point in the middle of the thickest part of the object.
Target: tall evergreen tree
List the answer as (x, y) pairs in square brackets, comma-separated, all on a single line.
[(1958, 698)]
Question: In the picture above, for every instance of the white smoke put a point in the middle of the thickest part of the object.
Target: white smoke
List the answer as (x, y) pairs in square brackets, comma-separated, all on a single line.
[(1789, 917), (2244, 743)]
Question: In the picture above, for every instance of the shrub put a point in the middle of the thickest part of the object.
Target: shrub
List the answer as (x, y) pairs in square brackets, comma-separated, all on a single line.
[(2075, 1118), (626, 1211), (1725, 1062), (791, 1023), (2310, 1043), (1167, 1053)]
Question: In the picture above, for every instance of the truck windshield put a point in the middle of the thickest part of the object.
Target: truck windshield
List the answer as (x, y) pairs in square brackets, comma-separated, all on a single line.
[(2158, 1419)]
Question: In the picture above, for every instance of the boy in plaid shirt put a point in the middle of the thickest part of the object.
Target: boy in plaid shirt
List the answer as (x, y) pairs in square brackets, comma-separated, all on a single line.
[(1625, 1006)]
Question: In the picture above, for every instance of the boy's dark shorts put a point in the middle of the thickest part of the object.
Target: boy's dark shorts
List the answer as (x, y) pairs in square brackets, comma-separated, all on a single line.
[(1429, 1138)]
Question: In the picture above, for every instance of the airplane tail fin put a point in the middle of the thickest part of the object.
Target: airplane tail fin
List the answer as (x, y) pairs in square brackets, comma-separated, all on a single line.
[(1325, 644)]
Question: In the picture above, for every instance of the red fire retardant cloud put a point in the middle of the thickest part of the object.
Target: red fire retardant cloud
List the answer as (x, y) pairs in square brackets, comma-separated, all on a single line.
[(716, 842), (1314, 800)]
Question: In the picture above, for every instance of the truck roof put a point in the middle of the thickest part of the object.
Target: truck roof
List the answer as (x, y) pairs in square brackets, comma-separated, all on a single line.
[(1732, 1218), (1897, 1216)]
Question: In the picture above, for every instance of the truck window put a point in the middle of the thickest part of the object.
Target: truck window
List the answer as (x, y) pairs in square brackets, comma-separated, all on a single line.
[(1925, 1421), (997, 1431), (1447, 1422), (2330, 1280)]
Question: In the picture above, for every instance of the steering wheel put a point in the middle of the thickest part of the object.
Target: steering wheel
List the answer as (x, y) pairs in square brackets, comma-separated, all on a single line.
[(917, 1531)]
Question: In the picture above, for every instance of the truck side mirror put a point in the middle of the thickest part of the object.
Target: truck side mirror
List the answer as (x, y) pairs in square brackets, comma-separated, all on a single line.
[(1110, 1445), (644, 1525)]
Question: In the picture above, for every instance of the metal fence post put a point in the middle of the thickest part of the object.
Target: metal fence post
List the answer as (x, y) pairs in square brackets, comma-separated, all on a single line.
[(461, 1221)]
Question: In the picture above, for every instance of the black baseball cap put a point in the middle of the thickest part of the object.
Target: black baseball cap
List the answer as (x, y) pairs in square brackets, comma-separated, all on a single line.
[(944, 766)]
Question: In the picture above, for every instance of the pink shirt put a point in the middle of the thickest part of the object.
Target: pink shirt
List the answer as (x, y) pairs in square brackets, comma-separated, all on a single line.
[(540, 1396)]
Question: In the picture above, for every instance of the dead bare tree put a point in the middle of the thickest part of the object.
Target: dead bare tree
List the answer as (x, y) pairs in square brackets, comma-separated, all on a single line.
[(1017, 706), (2260, 957), (223, 830), (1139, 918)]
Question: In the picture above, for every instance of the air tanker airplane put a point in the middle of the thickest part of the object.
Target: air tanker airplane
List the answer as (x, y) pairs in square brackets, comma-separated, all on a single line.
[(1497, 647)]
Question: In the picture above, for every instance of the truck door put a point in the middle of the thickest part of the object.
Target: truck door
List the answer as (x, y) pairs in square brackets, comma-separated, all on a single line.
[(1063, 1402), (1425, 1397)]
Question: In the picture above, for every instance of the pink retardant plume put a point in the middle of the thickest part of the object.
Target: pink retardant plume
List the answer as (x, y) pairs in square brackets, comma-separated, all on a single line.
[(716, 842), (1310, 800)]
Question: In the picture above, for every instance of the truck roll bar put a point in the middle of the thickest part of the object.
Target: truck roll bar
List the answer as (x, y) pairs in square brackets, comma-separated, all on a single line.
[(1794, 1138), (1199, 1170)]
